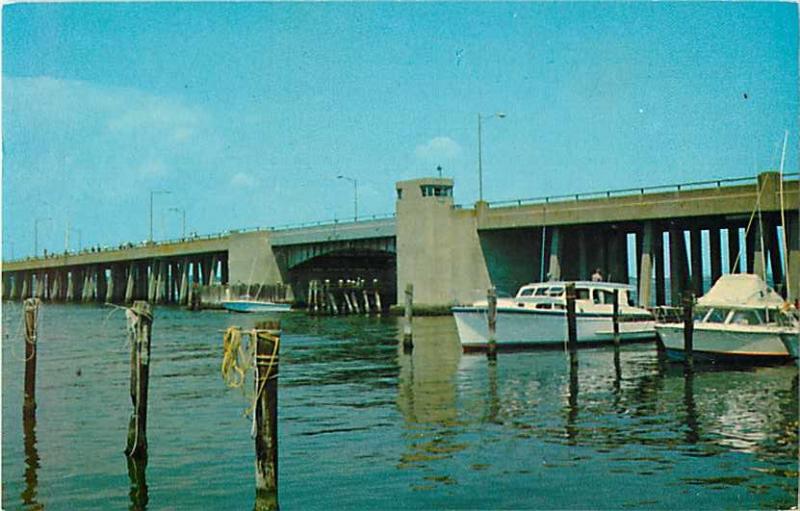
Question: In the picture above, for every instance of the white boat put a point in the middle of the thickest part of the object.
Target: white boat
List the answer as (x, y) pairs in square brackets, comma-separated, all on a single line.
[(537, 316), (248, 305), (739, 319)]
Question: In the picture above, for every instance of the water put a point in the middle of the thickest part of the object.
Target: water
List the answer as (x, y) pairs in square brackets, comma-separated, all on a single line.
[(364, 426)]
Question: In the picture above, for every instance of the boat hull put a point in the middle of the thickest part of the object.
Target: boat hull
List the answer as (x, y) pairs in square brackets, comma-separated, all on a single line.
[(519, 329), (250, 306), (714, 344)]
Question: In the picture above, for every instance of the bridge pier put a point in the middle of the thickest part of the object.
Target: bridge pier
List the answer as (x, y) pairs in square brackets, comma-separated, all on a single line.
[(734, 249), (695, 239), (678, 266), (646, 265), (554, 260), (715, 251), (184, 287), (13, 292), (792, 232)]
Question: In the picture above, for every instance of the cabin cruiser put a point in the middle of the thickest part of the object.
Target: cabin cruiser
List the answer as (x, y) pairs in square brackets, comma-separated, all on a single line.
[(739, 319), (537, 316)]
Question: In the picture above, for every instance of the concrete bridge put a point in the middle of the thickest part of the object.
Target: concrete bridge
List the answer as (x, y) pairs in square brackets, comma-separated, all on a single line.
[(665, 238)]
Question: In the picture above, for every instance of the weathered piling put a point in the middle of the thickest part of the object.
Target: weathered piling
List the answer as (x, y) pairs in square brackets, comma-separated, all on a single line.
[(688, 327), (491, 298), (31, 312), (140, 321), (268, 338), (407, 335), (615, 318), (572, 327)]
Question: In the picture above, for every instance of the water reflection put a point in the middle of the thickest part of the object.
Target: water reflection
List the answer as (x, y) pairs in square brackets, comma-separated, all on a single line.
[(138, 483), (571, 429), (692, 427), (426, 396), (31, 462)]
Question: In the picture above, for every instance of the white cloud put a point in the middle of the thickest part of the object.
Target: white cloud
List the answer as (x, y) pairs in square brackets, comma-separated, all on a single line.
[(243, 180), (438, 149)]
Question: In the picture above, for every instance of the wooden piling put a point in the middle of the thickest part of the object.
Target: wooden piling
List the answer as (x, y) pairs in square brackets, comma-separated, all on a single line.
[(407, 337), (688, 327), (31, 312), (491, 350), (140, 319), (572, 327), (268, 337), (615, 318)]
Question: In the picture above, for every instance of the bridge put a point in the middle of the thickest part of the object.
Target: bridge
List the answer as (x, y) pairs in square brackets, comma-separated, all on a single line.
[(666, 239)]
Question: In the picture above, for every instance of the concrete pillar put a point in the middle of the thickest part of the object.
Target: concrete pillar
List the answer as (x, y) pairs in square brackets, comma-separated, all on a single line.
[(225, 269), (774, 248), (212, 271), (646, 265), (86, 295), (25, 285), (792, 278), (13, 293), (130, 285), (161, 282), (583, 263), (759, 249), (102, 285), (172, 270), (733, 250), (112, 285), (55, 287), (554, 267), (677, 264), (184, 289), (151, 283), (70, 294), (750, 248), (38, 286), (715, 253), (697, 260)]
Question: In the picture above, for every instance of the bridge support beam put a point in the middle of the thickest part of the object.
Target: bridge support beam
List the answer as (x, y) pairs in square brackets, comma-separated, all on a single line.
[(646, 265), (792, 278), (695, 238), (554, 265), (715, 253), (14, 291), (757, 246), (184, 287), (678, 265), (734, 250)]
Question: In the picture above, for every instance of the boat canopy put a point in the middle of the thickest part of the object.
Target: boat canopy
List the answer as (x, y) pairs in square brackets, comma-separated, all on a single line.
[(740, 290)]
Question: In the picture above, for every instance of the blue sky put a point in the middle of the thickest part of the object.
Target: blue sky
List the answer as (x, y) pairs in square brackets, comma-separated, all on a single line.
[(248, 112)]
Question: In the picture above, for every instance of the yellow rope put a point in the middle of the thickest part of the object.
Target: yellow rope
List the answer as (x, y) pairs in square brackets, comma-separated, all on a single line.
[(263, 380), (235, 359)]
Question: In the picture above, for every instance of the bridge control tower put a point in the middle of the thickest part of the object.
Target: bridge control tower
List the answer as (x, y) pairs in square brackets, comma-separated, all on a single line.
[(438, 249)]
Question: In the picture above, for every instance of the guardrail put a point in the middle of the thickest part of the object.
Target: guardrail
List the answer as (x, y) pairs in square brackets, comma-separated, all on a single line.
[(217, 235), (622, 192)]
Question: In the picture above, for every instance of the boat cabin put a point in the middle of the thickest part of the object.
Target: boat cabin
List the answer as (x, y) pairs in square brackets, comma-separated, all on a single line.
[(597, 293), (735, 316)]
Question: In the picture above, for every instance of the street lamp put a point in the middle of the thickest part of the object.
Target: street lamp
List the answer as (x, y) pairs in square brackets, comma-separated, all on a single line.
[(183, 221), (355, 194), (36, 234), (152, 193), (499, 115)]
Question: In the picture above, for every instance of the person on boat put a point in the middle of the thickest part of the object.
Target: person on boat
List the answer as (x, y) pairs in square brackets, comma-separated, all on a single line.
[(597, 276)]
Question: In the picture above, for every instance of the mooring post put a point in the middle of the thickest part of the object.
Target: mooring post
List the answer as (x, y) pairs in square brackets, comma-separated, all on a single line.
[(615, 319), (572, 328), (407, 337), (268, 338), (31, 311), (688, 327), (491, 298), (140, 321)]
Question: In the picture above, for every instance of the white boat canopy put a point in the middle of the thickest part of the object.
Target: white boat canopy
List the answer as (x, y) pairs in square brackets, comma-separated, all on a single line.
[(741, 290)]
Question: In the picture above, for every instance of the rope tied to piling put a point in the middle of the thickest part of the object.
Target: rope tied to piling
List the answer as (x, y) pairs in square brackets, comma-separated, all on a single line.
[(236, 359)]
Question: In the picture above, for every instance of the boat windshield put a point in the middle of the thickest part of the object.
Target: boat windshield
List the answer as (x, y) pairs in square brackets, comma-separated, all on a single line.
[(715, 315), (747, 317), (555, 291), (527, 292), (581, 293)]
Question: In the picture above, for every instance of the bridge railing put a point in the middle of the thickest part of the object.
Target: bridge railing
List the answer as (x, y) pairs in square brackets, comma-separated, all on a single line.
[(622, 192), (212, 236)]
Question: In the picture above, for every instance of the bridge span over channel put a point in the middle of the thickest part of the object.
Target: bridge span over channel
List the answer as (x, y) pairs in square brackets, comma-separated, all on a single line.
[(666, 240)]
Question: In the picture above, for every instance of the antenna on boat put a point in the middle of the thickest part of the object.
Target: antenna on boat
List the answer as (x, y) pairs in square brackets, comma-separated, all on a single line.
[(787, 281)]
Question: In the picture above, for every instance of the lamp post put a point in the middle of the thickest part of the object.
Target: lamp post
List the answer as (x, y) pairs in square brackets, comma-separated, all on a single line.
[(152, 193), (183, 220), (355, 195), (499, 115), (36, 234)]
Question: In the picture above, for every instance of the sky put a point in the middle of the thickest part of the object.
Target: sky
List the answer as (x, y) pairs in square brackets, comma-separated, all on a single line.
[(247, 113)]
